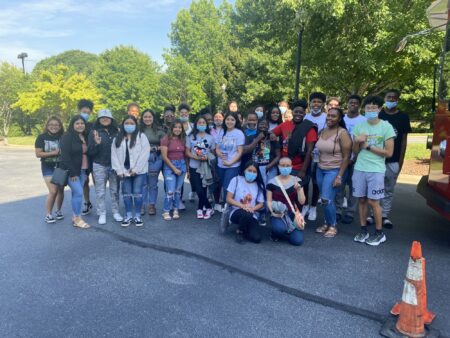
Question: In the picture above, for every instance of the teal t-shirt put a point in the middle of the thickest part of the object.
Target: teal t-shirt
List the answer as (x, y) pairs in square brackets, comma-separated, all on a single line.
[(377, 135)]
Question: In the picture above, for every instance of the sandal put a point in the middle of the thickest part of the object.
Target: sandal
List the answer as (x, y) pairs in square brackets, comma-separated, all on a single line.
[(80, 224), (322, 229), (151, 210), (167, 216), (142, 211), (330, 233)]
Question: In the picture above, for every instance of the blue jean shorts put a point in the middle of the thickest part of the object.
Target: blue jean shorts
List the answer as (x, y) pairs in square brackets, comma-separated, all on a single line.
[(47, 170)]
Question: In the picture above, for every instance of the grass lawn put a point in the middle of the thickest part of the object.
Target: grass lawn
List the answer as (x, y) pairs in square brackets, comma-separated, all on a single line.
[(417, 151), (22, 140)]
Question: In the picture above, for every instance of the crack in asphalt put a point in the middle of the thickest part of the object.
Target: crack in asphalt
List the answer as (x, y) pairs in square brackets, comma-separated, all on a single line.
[(353, 310)]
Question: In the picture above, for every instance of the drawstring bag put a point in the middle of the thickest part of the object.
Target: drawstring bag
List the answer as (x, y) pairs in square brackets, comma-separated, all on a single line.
[(299, 221)]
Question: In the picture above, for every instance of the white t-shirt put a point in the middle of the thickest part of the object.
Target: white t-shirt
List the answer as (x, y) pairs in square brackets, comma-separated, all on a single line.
[(228, 145), (245, 192), (350, 123), (320, 120)]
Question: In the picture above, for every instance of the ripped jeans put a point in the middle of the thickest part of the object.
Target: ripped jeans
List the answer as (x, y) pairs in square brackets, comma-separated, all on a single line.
[(132, 190), (173, 184)]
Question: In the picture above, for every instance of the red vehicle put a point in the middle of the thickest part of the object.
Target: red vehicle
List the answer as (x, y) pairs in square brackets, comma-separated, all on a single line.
[(435, 187)]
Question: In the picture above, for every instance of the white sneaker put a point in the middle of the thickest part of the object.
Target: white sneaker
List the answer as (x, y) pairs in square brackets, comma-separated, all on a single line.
[(208, 213), (200, 214), (191, 196), (305, 210), (117, 217), (218, 207), (182, 206), (312, 214), (102, 219), (344, 203)]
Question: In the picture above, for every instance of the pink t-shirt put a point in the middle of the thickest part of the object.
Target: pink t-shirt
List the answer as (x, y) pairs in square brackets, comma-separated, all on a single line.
[(175, 148)]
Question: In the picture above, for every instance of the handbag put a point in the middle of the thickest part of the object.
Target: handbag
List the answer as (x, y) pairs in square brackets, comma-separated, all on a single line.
[(299, 221), (60, 177), (226, 212)]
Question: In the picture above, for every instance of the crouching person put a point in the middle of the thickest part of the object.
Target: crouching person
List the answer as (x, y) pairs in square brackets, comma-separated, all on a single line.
[(282, 216), (245, 196)]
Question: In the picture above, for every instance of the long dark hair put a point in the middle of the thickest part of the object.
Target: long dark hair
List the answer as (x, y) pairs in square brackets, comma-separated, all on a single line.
[(341, 124), (113, 128), (122, 134), (61, 126), (155, 124), (74, 119), (224, 125), (259, 180), (269, 114), (182, 136), (195, 130)]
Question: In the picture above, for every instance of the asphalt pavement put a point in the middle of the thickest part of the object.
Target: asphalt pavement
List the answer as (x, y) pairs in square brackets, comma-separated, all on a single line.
[(183, 279)]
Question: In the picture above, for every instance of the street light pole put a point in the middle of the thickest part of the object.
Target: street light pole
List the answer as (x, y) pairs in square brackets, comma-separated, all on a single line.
[(23, 56), (298, 63)]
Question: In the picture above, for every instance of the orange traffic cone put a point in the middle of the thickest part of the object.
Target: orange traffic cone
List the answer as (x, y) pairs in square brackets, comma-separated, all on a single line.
[(428, 316)]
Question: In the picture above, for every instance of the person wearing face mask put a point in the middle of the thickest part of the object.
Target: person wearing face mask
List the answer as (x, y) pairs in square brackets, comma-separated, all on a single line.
[(402, 126), (215, 133), (293, 187), (47, 148), (251, 137), (85, 109), (284, 107), (373, 142), (184, 111), (129, 159), (207, 115), (200, 147), (99, 149), (245, 196), (259, 111), (318, 117)]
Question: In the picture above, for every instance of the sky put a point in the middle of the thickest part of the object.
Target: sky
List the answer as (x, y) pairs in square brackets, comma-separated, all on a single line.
[(42, 28)]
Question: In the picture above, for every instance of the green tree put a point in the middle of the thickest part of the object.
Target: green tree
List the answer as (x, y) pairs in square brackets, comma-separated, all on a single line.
[(125, 75), (12, 82), (78, 61), (57, 92)]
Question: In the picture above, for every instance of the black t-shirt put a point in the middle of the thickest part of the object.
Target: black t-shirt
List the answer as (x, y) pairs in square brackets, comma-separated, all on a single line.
[(264, 152), (48, 142), (402, 126)]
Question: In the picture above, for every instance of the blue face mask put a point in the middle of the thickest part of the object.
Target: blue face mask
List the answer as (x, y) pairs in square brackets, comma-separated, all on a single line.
[(129, 128), (283, 110), (184, 118), (285, 171), (201, 128), (390, 105), (316, 112), (371, 115), (260, 114), (85, 116), (250, 176)]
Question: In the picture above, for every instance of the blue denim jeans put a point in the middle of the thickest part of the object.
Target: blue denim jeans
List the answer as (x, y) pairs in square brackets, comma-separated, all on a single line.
[(267, 175), (77, 192), (173, 184), (279, 230), (325, 179), (226, 174), (132, 187), (151, 183)]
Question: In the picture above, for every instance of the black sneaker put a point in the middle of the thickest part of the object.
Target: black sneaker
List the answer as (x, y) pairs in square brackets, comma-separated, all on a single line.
[(49, 219), (387, 223), (347, 219), (138, 222), (126, 222), (87, 208), (239, 236), (361, 236), (59, 215), (376, 239), (370, 220), (338, 218)]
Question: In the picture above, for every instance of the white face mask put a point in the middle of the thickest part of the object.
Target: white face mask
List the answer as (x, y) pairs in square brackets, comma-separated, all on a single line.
[(260, 114)]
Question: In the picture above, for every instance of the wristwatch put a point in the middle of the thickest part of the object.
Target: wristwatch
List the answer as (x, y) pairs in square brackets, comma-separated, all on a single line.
[(368, 148)]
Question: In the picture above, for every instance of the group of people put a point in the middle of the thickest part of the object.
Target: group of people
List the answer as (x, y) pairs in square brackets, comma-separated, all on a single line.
[(254, 168)]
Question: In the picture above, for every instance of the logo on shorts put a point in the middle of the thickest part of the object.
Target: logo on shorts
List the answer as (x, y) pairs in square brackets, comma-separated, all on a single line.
[(378, 192)]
